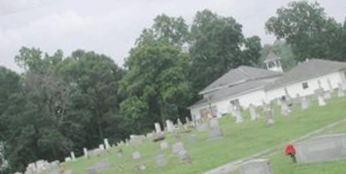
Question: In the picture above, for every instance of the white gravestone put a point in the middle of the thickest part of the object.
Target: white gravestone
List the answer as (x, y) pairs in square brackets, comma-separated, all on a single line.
[(102, 147), (256, 166), (321, 101), (105, 141), (253, 113), (321, 149), (238, 116), (157, 128), (73, 157), (304, 103), (136, 155), (85, 151), (170, 126)]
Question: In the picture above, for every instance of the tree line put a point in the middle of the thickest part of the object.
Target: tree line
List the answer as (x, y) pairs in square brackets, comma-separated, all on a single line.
[(64, 103)]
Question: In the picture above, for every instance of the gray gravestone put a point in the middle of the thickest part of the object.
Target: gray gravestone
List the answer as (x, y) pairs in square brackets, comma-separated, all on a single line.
[(285, 109), (322, 148), (177, 147), (161, 160), (215, 132), (256, 166), (98, 167), (268, 115), (163, 145), (136, 155)]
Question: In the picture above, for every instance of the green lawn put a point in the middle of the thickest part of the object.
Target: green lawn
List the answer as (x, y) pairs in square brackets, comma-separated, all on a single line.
[(240, 140)]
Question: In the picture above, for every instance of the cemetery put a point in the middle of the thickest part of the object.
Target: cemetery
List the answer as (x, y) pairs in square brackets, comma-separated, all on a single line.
[(212, 143)]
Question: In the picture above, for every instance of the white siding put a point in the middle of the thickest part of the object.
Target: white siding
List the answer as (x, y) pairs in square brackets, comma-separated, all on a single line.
[(297, 88), (223, 107)]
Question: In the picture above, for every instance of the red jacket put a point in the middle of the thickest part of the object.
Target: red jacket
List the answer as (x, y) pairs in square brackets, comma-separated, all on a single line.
[(290, 150)]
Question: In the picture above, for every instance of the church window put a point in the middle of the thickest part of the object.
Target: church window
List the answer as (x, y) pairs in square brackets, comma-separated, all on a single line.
[(305, 85)]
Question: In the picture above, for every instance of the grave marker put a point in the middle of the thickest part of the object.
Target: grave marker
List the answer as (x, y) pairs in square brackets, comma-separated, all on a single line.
[(322, 148), (157, 128), (107, 146), (253, 113), (256, 166), (85, 151), (161, 160)]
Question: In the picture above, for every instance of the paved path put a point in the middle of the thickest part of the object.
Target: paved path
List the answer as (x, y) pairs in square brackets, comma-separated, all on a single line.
[(234, 165)]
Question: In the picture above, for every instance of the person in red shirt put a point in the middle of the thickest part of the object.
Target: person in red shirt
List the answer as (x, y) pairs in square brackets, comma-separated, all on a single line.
[(291, 151)]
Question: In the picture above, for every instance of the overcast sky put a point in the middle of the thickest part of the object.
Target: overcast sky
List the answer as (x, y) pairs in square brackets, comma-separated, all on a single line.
[(111, 26)]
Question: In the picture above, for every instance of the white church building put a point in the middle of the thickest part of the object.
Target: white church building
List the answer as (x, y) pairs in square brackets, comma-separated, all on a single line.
[(248, 85)]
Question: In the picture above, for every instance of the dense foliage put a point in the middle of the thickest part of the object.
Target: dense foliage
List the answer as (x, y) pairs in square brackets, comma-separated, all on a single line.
[(310, 32)]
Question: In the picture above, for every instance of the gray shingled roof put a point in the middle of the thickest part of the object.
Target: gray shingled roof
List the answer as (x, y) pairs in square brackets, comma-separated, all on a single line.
[(240, 80), (307, 70), (234, 91), (239, 75)]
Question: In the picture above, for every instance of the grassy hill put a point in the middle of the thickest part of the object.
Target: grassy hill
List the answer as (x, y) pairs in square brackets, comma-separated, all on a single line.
[(239, 141)]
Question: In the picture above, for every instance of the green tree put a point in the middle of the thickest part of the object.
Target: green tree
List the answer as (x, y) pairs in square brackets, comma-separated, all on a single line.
[(155, 83), (217, 45), (166, 29), (93, 79), (307, 28)]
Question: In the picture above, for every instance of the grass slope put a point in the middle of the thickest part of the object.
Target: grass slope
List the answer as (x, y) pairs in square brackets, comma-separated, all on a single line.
[(240, 140)]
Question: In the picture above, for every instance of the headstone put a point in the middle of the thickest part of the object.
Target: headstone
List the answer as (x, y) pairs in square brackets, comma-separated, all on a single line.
[(169, 125), (321, 149), (268, 115), (136, 155), (320, 97), (321, 101), (184, 156), (285, 109), (163, 145), (340, 91), (85, 151), (180, 124), (98, 167), (187, 120), (157, 128), (256, 166), (304, 103), (67, 159), (161, 160), (238, 116), (215, 132), (73, 157), (177, 147), (105, 141), (102, 147), (253, 113)]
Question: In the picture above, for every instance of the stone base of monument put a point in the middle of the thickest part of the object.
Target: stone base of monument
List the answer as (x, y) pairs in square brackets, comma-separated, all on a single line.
[(322, 148), (256, 166)]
